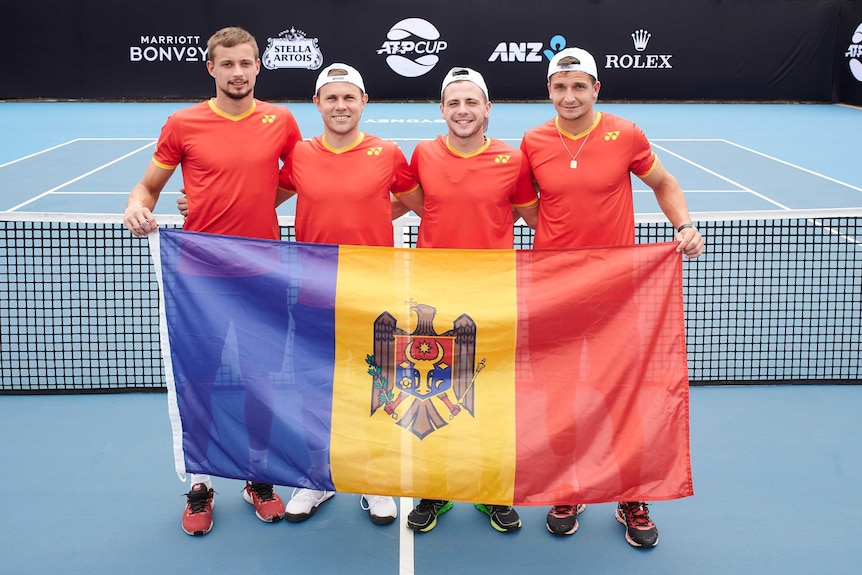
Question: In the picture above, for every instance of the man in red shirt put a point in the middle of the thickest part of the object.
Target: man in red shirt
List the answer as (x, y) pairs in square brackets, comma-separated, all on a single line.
[(581, 161), (231, 149), (345, 182), (345, 178), (472, 187)]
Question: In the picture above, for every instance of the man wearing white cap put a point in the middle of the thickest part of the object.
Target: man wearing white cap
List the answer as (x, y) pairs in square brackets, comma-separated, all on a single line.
[(474, 209), (344, 172), (344, 181), (472, 186), (582, 161)]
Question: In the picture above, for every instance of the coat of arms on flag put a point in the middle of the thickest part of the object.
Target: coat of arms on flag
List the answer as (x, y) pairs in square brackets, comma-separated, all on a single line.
[(423, 378)]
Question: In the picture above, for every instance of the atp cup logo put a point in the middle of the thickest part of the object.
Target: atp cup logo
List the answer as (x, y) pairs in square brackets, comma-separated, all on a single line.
[(412, 46), (417, 376), (854, 52), (292, 50)]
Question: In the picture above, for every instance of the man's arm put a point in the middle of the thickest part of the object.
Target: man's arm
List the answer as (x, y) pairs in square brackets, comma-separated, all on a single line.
[(142, 200), (530, 214), (671, 200), (281, 196), (412, 201)]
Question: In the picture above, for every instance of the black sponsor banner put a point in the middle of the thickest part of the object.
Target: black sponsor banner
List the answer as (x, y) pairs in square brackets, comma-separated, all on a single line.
[(848, 54), (769, 50)]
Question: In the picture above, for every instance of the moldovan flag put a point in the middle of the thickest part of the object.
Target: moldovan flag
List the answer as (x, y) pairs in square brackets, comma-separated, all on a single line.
[(517, 377)]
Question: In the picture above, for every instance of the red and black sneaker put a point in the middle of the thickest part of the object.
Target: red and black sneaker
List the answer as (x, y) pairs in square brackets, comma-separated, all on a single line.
[(198, 515), (563, 519), (640, 529), (268, 506)]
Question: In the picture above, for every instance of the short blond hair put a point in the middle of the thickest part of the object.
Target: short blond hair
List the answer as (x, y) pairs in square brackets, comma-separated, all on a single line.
[(230, 37)]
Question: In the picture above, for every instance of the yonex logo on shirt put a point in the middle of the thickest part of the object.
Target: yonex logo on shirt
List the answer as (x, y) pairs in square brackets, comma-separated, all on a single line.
[(268, 119), (501, 159), (612, 135), (375, 151)]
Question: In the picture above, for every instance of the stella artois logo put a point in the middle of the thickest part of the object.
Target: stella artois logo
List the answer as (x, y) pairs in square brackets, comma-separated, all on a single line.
[(424, 378)]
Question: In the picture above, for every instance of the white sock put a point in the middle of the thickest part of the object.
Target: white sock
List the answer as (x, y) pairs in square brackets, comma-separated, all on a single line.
[(258, 458), (196, 478)]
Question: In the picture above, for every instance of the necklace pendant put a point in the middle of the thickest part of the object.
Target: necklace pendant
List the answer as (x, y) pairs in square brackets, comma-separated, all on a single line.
[(573, 164)]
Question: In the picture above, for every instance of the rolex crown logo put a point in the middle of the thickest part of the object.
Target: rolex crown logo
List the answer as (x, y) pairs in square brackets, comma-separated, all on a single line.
[(641, 39)]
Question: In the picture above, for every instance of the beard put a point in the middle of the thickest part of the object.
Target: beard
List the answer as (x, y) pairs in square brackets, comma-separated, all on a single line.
[(237, 94)]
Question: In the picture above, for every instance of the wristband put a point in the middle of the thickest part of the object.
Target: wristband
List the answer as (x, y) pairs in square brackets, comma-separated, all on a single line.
[(684, 226)]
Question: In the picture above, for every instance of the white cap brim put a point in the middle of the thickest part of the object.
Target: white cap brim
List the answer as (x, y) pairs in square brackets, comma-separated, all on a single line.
[(460, 74), (587, 63), (352, 76)]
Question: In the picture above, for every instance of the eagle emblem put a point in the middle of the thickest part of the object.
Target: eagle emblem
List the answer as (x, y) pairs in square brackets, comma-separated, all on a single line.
[(417, 376)]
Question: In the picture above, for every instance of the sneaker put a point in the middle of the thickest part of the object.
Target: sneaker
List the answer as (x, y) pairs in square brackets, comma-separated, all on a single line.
[(423, 518), (304, 503), (268, 506), (382, 510), (640, 530), (198, 516), (504, 518), (563, 519)]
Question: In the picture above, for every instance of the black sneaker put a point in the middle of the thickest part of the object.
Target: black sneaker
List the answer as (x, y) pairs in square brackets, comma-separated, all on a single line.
[(640, 530), (563, 519), (503, 517), (424, 517)]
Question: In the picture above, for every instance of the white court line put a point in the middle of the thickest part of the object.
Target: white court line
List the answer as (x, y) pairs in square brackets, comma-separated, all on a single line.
[(83, 193), (688, 191), (780, 161), (405, 538), (34, 154), (753, 151), (726, 179), (52, 148), (82, 176)]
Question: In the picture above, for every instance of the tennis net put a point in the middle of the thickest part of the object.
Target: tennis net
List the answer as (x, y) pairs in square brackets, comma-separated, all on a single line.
[(776, 298)]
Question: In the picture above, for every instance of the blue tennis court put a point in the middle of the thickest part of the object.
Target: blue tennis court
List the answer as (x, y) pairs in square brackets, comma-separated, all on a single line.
[(87, 480), (85, 157)]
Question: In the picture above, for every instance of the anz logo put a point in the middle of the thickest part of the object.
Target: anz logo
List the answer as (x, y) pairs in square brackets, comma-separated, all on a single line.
[(527, 51)]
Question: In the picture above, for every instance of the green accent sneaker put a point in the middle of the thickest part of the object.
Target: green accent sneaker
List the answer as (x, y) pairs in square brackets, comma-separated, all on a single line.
[(424, 517), (504, 518)]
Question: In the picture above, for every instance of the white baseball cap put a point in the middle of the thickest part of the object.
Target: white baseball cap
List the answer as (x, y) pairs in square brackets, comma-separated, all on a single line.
[(465, 74), (352, 76), (587, 63)]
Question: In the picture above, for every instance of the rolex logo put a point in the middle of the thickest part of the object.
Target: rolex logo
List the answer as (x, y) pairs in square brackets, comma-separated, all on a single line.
[(640, 60), (641, 39)]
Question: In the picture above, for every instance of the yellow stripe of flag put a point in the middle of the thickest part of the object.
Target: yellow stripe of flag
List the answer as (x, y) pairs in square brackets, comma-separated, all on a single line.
[(468, 453)]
